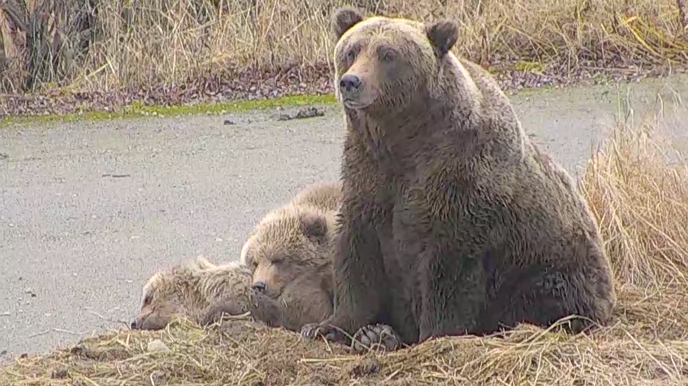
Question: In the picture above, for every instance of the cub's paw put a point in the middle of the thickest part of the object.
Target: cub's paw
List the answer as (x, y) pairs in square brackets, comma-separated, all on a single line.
[(376, 337), (317, 330), (215, 313), (265, 309)]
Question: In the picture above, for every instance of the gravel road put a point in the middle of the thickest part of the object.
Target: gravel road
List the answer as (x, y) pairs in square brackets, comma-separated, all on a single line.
[(88, 211)]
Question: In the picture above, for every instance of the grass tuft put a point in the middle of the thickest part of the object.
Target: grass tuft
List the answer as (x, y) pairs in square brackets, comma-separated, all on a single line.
[(637, 188)]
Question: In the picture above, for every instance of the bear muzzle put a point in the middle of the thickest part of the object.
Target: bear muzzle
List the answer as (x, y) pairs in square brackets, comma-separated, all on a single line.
[(355, 91), (349, 83), (351, 89)]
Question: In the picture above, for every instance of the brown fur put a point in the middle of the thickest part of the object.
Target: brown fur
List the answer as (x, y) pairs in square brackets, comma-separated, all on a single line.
[(452, 220), (290, 251), (190, 290)]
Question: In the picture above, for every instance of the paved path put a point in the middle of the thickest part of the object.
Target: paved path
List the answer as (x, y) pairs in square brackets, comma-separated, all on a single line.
[(88, 211)]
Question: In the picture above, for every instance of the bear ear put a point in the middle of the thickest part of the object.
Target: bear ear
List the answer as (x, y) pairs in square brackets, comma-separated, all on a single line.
[(243, 258), (443, 35), (343, 19), (199, 263), (314, 227)]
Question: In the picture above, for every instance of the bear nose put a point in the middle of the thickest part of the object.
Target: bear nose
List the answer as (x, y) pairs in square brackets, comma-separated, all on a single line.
[(349, 82), (259, 286), (133, 324)]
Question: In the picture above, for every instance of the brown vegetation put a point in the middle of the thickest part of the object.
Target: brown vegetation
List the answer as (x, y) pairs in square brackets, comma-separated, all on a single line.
[(638, 193), (92, 45), (637, 188)]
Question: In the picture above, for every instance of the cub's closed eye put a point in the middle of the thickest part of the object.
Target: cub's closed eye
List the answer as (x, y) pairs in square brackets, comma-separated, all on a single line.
[(147, 300), (283, 260)]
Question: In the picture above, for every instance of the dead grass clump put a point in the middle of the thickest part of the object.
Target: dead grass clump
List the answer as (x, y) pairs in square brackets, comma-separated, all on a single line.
[(637, 195), (136, 45), (638, 191)]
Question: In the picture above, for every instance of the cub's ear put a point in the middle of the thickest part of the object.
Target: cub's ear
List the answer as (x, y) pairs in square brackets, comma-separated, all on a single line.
[(314, 226), (243, 257), (199, 263), (343, 19), (442, 35)]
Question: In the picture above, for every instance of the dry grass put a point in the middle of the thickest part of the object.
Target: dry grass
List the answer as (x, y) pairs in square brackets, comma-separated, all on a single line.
[(638, 188), (637, 193), (135, 44)]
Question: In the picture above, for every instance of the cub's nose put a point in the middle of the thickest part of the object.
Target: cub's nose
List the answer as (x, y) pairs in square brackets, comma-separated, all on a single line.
[(134, 325), (259, 286), (349, 82)]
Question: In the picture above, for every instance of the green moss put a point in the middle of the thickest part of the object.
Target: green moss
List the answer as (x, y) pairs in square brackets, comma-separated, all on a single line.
[(137, 109), (527, 66)]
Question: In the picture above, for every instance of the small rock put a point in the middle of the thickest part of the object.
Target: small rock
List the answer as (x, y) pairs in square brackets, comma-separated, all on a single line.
[(219, 239), (309, 112), (6, 313), (229, 122), (157, 346)]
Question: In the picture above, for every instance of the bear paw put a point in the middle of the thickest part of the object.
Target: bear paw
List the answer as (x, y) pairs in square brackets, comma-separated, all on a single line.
[(316, 330), (380, 336), (216, 312)]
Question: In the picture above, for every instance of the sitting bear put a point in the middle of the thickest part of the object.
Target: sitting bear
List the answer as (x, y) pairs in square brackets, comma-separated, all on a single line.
[(290, 252), (452, 220), (190, 290)]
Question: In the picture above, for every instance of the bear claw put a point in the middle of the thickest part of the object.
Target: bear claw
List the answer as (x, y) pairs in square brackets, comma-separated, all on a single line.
[(315, 330), (379, 336)]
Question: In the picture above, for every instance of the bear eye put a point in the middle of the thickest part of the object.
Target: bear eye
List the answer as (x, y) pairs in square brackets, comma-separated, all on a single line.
[(351, 55), (280, 260), (147, 300), (387, 54)]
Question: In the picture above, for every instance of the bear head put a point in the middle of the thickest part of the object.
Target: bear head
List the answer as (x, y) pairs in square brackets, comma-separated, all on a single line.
[(384, 64), (288, 243), (184, 291)]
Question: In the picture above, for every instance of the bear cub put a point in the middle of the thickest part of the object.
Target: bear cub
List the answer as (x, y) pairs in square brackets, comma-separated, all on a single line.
[(290, 253), (190, 290)]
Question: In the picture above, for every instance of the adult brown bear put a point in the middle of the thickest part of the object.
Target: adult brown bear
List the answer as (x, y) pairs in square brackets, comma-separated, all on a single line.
[(453, 221)]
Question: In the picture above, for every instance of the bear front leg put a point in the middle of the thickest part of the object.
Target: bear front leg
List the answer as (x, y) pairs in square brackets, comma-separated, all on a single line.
[(301, 301), (453, 290), (265, 309), (359, 280), (225, 307)]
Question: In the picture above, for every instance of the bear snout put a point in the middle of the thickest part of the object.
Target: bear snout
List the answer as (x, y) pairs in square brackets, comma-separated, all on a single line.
[(350, 83)]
